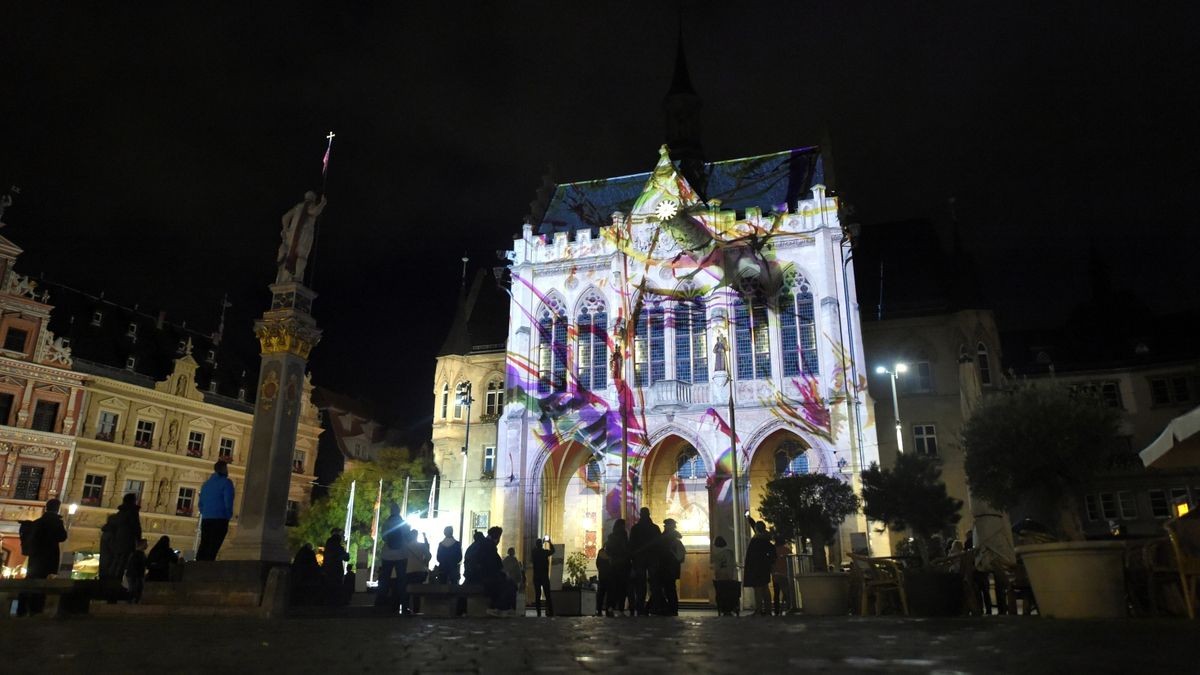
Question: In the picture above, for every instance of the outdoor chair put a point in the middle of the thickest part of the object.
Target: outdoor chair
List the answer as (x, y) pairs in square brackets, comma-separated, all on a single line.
[(962, 563), (875, 578), (1185, 543)]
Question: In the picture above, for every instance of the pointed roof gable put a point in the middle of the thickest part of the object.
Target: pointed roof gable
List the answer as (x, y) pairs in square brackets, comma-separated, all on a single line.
[(665, 189)]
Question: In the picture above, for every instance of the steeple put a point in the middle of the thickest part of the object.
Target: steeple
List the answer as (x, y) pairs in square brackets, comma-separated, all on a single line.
[(681, 108)]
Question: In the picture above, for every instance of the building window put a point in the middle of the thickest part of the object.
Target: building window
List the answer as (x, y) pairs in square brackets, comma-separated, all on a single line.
[(1128, 505), (458, 401), (798, 330), (195, 444), (1169, 390), (211, 357), (143, 436), (689, 465), (751, 338), (181, 347), (135, 487), (93, 490), (593, 343), (132, 331), (649, 345), (790, 462), (241, 393), (552, 347), (594, 471), (106, 428), (1092, 507), (291, 517), (185, 502), (298, 458), (481, 520), (29, 483), (14, 340), (1159, 506), (925, 439), (691, 341), (1108, 393), (6, 406), (97, 318), (225, 450), (212, 386), (130, 362), (445, 399), (1179, 495), (489, 461), (984, 363), (1108, 505), (45, 415), (922, 379), (494, 402)]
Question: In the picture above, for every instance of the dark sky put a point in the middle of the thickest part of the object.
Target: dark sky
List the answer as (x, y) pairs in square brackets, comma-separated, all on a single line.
[(157, 147)]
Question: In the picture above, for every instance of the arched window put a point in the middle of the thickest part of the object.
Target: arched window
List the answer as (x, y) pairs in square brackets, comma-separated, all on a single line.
[(649, 356), (985, 364), (691, 341), (790, 462), (689, 465), (494, 402), (458, 403), (798, 329), (552, 346), (593, 342), (445, 399), (594, 471), (751, 337)]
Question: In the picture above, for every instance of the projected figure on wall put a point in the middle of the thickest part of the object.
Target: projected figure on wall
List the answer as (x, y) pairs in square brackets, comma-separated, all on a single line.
[(297, 238)]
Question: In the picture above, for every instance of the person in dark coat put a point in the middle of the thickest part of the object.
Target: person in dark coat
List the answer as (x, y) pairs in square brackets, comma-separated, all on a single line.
[(543, 550), (670, 563), (48, 533), (449, 557), (135, 572), (333, 566), (760, 559), (160, 560), (472, 565), (643, 550), (617, 546), (118, 538), (491, 566), (393, 565), (306, 576)]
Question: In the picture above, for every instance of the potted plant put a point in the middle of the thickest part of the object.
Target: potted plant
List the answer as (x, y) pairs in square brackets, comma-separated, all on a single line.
[(911, 496), (576, 598), (1035, 448), (812, 506)]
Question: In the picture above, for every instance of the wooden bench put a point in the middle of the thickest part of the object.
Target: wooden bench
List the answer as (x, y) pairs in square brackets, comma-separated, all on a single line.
[(443, 599), (77, 593)]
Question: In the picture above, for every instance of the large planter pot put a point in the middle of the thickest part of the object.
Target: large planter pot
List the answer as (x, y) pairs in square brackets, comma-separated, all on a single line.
[(824, 593), (580, 602), (933, 593), (1077, 579)]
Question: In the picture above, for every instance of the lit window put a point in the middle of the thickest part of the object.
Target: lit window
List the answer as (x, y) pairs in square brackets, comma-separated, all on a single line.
[(458, 400), (649, 345), (592, 357), (93, 490), (480, 520), (594, 472), (185, 502), (494, 402), (751, 338), (925, 439), (143, 436), (790, 462), (798, 329), (489, 460), (195, 444), (689, 465), (691, 341), (106, 428), (135, 487), (984, 362), (552, 347), (225, 452)]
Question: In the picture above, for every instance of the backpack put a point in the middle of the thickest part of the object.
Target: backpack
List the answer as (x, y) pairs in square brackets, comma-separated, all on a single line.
[(27, 531)]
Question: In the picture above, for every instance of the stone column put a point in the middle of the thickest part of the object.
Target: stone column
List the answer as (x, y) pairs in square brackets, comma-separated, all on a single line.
[(286, 333)]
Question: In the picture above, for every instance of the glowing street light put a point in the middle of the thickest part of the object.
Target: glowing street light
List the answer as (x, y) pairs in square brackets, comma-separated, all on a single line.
[(896, 370), (462, 396)]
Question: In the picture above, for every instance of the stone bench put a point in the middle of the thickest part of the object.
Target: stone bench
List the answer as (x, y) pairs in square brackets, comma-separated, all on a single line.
[(443, 599), (75, 593)]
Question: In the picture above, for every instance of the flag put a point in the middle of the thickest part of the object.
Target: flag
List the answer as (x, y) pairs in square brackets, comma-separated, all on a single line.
[(375, 518), (325, 160)]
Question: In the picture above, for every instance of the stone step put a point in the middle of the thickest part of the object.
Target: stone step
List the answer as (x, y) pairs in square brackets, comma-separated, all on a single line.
[(197, 593)]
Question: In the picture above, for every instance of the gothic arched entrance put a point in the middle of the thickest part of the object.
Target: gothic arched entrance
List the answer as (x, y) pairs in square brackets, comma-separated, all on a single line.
[(572, 501), (675, 485), (782, 453)]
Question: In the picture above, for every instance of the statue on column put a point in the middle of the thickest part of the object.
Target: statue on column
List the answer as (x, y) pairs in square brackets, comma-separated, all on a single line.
[(297, 238)]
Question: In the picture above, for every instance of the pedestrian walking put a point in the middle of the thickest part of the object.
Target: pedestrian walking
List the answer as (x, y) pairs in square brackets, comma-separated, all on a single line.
[(216, 508), (160, 560), (725, 581), (449, 556), (542, 552), (135, 572), (780, 592), (118, 537), (617, 546), (670, 564), (393, 566), (40, 544), (760, 558), (643, 539), (515, 572)]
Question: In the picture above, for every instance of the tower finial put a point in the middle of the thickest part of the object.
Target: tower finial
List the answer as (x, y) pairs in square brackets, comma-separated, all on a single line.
[(465, 260)]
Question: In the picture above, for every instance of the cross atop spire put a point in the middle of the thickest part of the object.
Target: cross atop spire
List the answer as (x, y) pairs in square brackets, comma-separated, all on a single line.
[(681, 107)]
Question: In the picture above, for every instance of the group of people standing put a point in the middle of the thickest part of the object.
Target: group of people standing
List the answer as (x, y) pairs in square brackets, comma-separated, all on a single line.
[(640, 569)]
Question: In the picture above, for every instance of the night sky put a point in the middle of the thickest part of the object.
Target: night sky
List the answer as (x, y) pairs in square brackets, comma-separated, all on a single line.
[(157, 147)]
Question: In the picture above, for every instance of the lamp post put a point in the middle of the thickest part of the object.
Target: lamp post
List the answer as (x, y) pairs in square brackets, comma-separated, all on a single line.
[(894, 373), (462, 394), (737, 514)]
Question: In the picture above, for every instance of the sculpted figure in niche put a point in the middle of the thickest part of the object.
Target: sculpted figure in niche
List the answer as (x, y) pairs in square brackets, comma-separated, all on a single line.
[(720, 349), (297, 238), (173, 434), (181, 385)]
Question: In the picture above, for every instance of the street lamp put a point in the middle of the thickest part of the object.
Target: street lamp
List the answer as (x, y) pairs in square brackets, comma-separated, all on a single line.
[(895, 372), (462, 396), (723, 346)]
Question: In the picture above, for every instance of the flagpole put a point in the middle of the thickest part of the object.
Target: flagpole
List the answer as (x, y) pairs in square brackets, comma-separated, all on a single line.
[(375, 530), (349, 515)]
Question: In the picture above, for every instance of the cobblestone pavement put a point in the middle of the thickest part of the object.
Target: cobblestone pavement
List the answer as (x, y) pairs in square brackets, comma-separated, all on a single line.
[(654, 645)]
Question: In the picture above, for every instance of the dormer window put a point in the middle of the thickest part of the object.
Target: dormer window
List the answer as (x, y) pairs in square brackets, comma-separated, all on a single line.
[(211, 357), (132, 330), (130, 362), (181, 347), (97, 318), (241, 393), (212, 385), (66, 342)]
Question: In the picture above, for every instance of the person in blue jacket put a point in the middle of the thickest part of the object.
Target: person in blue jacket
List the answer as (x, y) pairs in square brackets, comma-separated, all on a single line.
[(216, 508)]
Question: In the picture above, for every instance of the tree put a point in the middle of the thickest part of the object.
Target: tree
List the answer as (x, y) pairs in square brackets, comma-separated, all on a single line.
[(392, 466), (1036, 446), (810, 506), (911, 496)]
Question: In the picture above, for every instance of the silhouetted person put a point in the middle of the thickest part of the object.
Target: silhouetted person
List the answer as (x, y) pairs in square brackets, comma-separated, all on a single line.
[(542, 552), (603, 580), (332, 568), (760, 558), (780, 592), (416, 570), (48, 533), (643, 544), (725, 581), (515, 571), (491, 568), (135, 572), (160, 560), (617, 546), (216, 508), (306, 576), (670, 564), (393, 564), (449, 556), (472, 566), (117, 539)]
